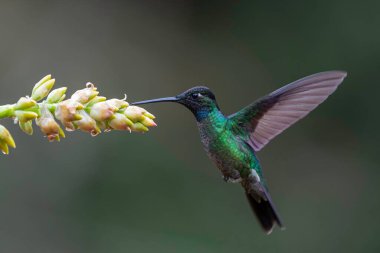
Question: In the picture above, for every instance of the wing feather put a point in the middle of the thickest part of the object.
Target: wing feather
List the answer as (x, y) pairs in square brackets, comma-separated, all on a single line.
[(272, 114)]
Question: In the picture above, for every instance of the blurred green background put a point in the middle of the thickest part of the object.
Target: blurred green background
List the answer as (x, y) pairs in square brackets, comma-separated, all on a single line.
[(158, 192)]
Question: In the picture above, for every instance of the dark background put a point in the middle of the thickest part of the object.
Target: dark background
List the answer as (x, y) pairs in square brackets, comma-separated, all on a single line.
[(158, 192)]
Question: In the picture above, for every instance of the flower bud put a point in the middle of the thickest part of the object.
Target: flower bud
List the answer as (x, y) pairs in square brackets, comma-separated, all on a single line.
[(148, 122), (95, 100), (26, 127), (6, 140), (43, 90), (50, 128), (120, 122), (102, 111), (57, 95), (149, 115), (48, 125), (85, 95), (43, 80), (87, 124), (24, 116), (66, 112), (134, 113), (4, 148), (24, 103), (138, 127), (118, 103)]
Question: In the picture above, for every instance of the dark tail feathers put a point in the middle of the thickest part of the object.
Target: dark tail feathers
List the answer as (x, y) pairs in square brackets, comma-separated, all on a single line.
[(265, 212)]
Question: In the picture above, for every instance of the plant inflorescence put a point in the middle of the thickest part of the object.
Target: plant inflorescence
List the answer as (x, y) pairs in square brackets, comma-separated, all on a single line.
[(84, 110)]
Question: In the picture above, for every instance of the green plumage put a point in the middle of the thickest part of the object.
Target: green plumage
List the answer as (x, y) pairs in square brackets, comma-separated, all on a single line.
[(227, 149)]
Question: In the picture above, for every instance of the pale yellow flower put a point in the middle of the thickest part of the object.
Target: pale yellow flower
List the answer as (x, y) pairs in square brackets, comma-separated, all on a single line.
[(56, 95), (6, 140)]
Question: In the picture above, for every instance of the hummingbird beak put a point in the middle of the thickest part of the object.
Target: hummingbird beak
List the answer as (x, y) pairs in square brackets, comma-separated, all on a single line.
[(158, 100)]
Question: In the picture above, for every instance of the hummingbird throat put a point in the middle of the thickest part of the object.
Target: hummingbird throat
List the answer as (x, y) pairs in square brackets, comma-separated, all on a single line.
[(201, 114), (207, 113)]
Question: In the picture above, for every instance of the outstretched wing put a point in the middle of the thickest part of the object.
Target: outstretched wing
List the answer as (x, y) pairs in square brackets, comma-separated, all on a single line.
[(269, 116)]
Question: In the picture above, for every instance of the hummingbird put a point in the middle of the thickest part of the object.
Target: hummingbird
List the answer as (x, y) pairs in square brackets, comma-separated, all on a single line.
[(232, 142)]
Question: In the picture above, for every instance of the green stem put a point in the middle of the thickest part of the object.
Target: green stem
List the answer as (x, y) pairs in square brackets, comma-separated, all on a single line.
[(52, 108), (35, 109), (6, 111)]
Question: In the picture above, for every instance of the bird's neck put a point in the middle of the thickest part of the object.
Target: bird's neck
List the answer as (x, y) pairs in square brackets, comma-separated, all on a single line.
[(208, 113), (211, 126), (210, 119)]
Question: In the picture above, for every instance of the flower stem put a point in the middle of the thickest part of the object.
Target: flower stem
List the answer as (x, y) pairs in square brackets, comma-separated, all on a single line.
[(6, 111)]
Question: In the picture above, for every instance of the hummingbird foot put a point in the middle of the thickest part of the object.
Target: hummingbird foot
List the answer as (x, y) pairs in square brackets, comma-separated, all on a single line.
[(228, 179)]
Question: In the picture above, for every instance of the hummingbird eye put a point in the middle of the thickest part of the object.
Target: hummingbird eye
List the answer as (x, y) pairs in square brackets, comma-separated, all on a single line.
[(195, 95)]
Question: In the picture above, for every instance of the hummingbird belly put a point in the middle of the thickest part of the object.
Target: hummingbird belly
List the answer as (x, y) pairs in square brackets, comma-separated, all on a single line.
[(229, 155)]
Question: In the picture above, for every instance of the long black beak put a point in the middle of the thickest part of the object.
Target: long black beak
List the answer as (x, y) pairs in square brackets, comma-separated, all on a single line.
[(158, 100)]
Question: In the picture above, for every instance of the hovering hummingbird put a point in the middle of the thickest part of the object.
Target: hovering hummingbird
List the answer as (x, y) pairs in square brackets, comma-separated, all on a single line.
[(231, 142)]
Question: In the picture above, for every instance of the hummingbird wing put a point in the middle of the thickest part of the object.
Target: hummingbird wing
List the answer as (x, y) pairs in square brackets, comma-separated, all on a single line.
[(269, 116)]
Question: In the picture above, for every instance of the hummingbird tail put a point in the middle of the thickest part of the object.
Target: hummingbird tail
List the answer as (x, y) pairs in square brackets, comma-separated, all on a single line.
[(265, 212)]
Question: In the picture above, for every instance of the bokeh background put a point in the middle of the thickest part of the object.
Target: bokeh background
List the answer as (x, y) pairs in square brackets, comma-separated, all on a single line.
[(158, 192)]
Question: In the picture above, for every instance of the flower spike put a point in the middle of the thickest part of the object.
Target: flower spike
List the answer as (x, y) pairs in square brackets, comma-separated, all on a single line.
[(85, 110)]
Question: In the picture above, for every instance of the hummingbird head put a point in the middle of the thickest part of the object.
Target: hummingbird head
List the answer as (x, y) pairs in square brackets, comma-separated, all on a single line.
[(199, 100)]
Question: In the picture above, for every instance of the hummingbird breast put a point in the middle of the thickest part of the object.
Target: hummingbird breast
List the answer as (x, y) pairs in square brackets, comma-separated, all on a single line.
[(228, 152)]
